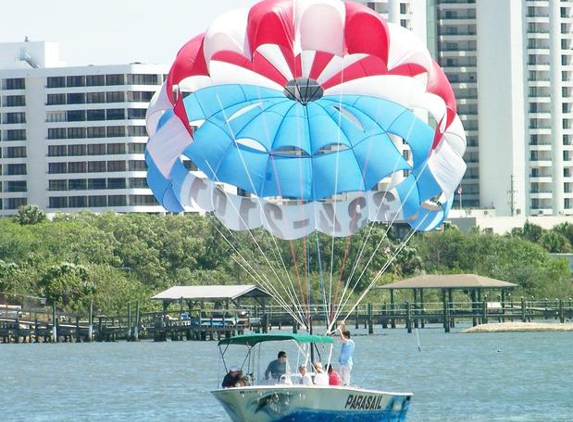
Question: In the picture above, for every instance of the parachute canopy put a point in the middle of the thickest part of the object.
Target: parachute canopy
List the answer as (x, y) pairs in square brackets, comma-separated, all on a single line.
[(299, 116)]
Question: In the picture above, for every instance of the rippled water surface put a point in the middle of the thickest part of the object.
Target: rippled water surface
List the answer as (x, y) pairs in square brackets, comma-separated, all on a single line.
[(518, 377)]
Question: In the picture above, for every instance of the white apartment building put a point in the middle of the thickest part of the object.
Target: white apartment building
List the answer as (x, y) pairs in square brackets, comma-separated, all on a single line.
[(73, 138), (525, 66), (510, 63)]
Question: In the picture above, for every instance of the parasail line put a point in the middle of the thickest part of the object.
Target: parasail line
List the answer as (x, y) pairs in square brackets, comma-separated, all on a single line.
[(257, 197)]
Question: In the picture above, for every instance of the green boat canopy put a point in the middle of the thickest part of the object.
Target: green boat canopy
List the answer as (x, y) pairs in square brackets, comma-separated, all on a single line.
[(252, 339)]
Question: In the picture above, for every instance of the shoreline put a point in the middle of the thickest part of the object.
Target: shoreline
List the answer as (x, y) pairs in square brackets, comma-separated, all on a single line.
[(517, 327)]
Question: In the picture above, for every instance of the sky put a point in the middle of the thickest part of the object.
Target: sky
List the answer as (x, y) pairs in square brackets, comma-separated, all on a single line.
[(104, 32)]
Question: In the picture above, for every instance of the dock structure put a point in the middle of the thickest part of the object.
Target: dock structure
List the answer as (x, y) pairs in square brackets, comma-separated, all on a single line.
[(36, 326)]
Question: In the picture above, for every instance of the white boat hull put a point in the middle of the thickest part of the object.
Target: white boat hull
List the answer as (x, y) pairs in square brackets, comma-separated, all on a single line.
[(282, 403)]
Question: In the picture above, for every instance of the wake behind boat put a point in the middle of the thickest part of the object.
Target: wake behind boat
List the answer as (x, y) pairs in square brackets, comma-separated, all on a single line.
[(257, 399)]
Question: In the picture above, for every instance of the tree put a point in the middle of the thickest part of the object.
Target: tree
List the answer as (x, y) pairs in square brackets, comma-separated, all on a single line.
[(30, 214), (68, 287)]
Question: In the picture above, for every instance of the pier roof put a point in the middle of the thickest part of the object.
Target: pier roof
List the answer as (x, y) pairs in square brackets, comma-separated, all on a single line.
[(213, 292), (450, 281)]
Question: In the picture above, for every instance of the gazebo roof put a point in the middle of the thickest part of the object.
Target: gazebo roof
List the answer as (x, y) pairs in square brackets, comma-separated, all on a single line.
[(450, 281), (217, 292)]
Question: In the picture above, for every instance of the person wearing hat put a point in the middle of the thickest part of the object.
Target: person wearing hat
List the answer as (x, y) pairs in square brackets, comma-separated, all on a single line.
[(232, 378)]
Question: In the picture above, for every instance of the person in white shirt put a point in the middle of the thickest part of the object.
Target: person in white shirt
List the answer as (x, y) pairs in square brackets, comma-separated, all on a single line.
[(305, 378), (320, 377)]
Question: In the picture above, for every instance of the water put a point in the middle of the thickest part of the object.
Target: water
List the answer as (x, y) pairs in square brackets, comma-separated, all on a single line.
[(514, 377)]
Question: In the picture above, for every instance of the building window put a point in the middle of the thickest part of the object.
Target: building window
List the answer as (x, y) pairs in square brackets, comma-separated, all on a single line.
[(96, 149), (56, 99), (115, 149), (58, 202), (55, 116), (136, 113), (14, 118), (115, 114), (136, 131), (97, 201), (116, 200), (139, 96), (95, 80), (15, 135), (76, 116), (142, 200), (96, 166), (136, 148), (15, 203), (115, 97), (95, 97), (78, 202), (95, 115), (77, 133), (137, 165), (111, 80), (77, 167), (76, 81), (15, 169), (16, 186), (57, 151), (15, 152), (138, 182), (115, 166), (116, 183), (57, 133), (58, 185), (57, 168), (76, 98), (96, 184), (77, 184), (75, 150), (14, 83), (115, 131), (14, 101), (56, 82), (142, 79), (96, 132)]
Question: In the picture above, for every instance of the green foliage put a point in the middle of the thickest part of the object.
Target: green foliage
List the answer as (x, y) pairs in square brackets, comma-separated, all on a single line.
[(30, 214), (113, 259)]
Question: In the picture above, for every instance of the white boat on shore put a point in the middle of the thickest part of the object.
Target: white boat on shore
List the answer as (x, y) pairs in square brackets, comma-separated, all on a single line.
[(287, 400)]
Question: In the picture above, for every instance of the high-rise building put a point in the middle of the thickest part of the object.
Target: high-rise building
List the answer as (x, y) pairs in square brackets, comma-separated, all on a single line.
[(525, 66), (511, 66), (73, 138)]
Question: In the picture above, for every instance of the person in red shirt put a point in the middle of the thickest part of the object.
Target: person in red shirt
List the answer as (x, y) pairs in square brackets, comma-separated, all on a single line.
[(333, 377)]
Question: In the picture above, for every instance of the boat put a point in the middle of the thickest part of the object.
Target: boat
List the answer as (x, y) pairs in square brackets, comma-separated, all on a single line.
[(257, 399)]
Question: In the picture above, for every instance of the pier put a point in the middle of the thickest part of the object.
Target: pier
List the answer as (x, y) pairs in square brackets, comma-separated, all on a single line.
[(20, 325)]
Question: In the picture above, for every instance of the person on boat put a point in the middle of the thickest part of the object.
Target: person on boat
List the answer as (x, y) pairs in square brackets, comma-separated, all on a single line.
[(346, 352), (232, 378), (277, 367), (333, 377), (305, 378), (320, 377)]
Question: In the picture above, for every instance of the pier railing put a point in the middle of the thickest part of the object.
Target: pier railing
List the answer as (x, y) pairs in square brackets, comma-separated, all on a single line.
[(18, 324)]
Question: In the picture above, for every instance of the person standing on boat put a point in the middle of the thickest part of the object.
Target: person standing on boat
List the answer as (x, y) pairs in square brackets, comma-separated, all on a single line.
[(346, 352), (277, 367)]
